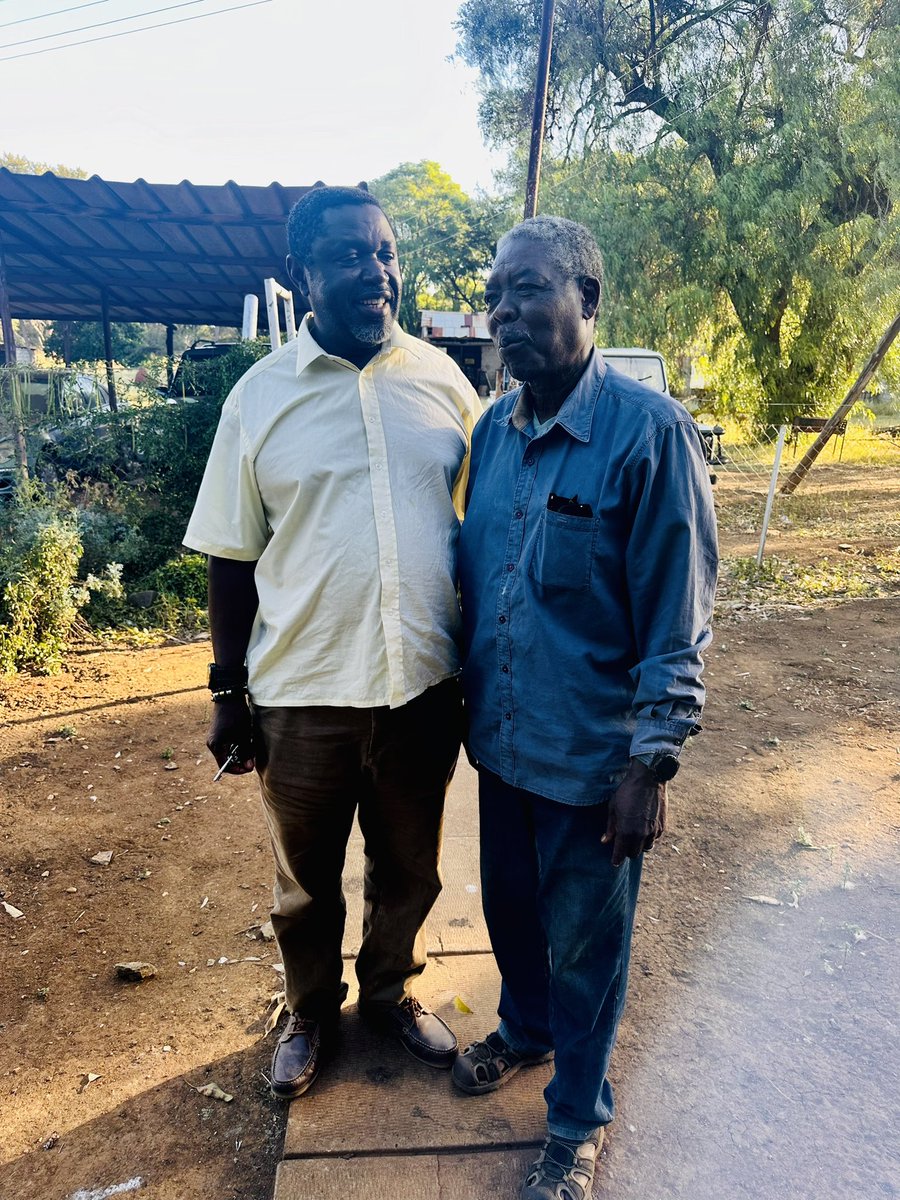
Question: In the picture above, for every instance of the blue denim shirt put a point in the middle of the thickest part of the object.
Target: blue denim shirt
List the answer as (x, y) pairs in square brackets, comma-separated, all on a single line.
[(584, 632)]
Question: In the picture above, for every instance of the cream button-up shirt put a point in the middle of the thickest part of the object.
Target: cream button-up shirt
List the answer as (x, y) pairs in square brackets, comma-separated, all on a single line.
[(346, 488)]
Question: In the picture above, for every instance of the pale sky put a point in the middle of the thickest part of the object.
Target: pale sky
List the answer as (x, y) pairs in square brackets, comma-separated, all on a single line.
[(288, 90)]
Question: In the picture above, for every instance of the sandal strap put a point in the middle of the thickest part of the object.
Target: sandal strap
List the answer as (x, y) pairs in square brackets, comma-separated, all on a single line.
[(492, 1058), (559, 1165)]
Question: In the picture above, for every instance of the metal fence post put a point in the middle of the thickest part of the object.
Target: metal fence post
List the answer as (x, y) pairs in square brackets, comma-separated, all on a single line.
[(779, 446)]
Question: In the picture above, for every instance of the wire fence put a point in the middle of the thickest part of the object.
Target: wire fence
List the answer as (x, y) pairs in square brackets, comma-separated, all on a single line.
[(744, 460), (836, 537)]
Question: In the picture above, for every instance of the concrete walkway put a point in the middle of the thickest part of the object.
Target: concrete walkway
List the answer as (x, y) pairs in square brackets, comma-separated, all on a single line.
[(379, 1123)]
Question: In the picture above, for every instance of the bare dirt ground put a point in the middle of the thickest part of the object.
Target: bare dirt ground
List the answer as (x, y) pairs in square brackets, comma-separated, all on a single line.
[(781, 865)]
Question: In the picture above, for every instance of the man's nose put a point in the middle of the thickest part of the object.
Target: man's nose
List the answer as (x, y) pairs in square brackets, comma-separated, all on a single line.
[(374, 270), (503, 311)]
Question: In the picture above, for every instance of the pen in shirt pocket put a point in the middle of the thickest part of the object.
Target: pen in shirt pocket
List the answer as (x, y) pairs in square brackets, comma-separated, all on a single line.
[(568, 507)]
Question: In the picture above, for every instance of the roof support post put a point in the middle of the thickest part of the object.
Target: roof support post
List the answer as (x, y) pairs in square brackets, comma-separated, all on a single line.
[(9, 340), (170, 354), (107, 350)]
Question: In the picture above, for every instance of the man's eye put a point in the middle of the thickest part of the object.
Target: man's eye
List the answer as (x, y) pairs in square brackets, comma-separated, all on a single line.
[(387, 256), (490, 301)]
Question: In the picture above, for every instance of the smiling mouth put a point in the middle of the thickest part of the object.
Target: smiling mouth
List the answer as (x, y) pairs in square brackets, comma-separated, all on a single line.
[(374, 303)]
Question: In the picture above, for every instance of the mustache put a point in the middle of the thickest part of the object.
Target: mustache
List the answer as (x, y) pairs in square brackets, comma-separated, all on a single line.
[(512, 337)]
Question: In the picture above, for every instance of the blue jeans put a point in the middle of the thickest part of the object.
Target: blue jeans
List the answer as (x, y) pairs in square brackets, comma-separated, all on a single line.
[(560, 918)]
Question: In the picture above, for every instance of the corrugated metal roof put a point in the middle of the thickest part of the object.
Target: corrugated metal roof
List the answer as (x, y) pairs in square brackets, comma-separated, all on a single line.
[(176, 253)]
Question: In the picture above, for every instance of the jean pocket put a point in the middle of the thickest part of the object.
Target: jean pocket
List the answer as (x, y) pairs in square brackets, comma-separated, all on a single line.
[(563, 551)]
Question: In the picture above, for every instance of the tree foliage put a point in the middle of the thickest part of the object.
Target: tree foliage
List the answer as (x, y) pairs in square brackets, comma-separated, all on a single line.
[(129, 342), (21, 165), (739, 162), (445, 239)]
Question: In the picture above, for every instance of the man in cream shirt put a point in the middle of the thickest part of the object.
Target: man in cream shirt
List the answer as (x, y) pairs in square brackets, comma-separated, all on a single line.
[(330, 513)]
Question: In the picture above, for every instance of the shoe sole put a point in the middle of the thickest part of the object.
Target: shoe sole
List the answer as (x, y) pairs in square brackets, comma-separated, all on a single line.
[(438, 1066), (291, 1093), (481, 1089)]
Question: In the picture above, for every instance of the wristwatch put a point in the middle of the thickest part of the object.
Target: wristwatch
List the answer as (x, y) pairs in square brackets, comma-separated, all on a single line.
[(226, 682), (662, 765)]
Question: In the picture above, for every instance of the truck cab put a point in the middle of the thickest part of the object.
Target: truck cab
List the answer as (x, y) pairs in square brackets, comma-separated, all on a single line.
[(648, 367)]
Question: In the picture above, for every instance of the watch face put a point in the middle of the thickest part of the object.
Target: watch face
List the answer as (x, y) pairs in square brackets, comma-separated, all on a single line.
[(665, 767)]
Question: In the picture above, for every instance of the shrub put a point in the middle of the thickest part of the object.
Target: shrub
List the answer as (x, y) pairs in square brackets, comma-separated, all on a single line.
[(39, 601)]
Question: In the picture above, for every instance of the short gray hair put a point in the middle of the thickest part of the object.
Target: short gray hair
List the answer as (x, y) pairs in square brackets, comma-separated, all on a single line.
[(571, 246)]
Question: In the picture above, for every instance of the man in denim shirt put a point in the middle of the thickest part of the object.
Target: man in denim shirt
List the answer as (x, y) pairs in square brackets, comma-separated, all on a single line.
[(587, 564)]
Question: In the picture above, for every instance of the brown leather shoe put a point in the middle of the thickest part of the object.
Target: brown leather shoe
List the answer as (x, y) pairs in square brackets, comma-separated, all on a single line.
[(422, 1033), (297, 1058)]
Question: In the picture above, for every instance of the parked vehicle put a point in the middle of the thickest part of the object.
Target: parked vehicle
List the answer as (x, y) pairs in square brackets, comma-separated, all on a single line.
[(187, 382), (648, 366)]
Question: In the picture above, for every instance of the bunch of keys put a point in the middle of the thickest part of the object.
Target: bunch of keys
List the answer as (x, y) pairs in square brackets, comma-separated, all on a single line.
[(232, 758)]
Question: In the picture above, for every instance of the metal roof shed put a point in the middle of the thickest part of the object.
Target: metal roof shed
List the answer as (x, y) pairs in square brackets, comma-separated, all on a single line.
[(83, 249)]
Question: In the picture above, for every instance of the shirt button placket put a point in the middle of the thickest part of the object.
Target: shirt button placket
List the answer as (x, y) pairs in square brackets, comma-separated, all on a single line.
[(504, 652)]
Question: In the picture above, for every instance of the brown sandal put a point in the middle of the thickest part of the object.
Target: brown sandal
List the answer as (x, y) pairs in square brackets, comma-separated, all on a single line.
[(485, 1066)]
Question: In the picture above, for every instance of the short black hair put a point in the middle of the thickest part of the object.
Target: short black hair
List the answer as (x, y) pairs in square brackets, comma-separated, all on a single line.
[(305, 220)]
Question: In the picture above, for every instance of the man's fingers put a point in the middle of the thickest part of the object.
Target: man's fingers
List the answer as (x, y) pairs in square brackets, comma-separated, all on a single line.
[(610, 827)]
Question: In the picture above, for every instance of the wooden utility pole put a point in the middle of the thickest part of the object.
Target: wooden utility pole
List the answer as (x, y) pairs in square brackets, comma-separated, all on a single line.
[(539, 114), (9, 340), (107, 350), (800, 471)]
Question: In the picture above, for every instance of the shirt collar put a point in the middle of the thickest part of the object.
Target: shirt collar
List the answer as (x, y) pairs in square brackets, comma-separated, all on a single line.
[(308, 349), (577, 410)]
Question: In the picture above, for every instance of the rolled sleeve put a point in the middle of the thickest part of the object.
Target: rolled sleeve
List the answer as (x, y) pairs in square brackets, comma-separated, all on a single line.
[(671, 565), (229, 519)]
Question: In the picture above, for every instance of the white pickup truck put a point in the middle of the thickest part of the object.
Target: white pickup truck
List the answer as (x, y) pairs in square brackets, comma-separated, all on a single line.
[(647, 366)]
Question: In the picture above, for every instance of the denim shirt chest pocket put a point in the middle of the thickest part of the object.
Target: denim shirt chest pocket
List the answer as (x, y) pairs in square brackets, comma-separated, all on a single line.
[(563, 552)]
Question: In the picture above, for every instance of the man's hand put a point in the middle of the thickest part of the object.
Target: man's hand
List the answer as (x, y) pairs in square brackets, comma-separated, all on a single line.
[(232, 725), (637, 814)]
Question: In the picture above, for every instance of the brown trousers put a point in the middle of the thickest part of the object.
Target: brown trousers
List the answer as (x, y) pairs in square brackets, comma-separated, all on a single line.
[(317, 767)]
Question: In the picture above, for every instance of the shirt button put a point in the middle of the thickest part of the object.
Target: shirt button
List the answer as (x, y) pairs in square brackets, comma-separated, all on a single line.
[(529, 462), (518, 514), (508, 716), (505, 669), (510, 566), (502, 620)]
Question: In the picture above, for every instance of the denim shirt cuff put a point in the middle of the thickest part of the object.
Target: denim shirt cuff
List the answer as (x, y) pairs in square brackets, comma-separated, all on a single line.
[(654, 737)]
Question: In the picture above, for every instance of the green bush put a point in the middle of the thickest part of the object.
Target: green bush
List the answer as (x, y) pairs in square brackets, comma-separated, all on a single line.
[(135, 474), (39, 600), (183, 578), (117, 494)]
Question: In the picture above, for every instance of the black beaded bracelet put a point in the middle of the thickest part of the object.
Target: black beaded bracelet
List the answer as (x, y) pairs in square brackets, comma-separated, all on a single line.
[(228, 694)]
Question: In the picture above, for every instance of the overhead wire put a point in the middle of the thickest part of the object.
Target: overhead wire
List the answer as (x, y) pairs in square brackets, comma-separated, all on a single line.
[(152, 12), (58, 13), (107, 37)]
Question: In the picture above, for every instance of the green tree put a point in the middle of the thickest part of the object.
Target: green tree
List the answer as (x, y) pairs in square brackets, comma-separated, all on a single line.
[(21, 165), (445, 239), (129, 342), (738, 161)]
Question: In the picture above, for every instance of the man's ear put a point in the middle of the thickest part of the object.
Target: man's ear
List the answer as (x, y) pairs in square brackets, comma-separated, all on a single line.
[(590, 297), (297, 277)]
